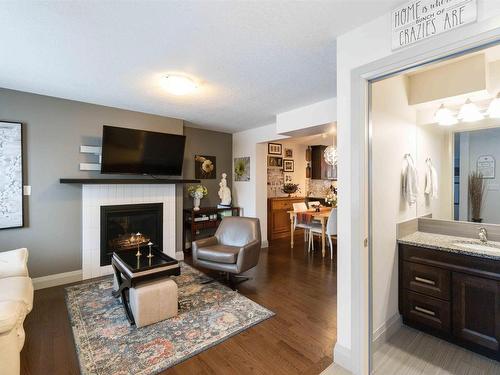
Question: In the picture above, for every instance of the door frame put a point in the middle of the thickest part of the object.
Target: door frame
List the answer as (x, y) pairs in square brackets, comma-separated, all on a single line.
[(444, 47)]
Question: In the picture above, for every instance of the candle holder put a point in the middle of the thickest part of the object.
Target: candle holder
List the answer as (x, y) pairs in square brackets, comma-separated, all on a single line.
[(138, 254), (150, 244)]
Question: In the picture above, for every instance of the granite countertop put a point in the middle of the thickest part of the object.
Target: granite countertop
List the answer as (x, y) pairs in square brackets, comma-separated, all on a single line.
[(452, 244)]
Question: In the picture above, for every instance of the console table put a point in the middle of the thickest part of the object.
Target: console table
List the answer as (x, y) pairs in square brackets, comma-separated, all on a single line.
[(203, 223)]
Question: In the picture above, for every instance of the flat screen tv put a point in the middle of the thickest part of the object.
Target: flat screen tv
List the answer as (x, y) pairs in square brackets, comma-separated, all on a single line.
[(131, 151)]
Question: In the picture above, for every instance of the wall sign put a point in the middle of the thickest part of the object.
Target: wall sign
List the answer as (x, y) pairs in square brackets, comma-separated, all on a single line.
[(421, 19), (486, 166)]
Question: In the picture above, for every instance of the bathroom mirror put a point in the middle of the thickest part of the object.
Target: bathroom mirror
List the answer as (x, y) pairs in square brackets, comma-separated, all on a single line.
[(459, 176)]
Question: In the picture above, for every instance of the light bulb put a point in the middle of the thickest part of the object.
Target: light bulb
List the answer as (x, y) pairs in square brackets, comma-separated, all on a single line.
[(469, 112), (444, 116), (494, 107), (330, 155)]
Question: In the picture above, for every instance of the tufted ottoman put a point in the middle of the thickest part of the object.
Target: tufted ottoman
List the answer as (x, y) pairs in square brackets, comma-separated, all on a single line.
[(153, 301)]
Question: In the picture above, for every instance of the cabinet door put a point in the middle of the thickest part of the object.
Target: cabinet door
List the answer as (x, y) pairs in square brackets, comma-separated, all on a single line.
[(476, 312), (281, 222)]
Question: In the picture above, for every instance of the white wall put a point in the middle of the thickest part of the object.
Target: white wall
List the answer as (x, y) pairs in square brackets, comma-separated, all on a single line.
[(394, 133), (370, 44), (251, 195), (309, 116)]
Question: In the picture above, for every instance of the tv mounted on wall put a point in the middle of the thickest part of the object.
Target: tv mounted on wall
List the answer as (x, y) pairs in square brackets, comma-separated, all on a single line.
[(132, 151)]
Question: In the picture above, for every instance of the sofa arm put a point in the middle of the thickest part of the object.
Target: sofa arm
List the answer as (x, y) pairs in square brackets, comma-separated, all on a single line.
[(10, 314), (210, 241), (14, 263)]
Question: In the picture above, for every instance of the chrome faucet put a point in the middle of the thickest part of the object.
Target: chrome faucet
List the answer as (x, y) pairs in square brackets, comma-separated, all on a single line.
[(483, 235)]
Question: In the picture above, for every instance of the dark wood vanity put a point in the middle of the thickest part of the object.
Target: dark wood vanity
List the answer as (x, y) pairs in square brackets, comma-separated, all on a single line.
[(452, 296)]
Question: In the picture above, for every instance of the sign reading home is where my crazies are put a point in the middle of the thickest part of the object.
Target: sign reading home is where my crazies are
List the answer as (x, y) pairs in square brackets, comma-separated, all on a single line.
[(421, 19)]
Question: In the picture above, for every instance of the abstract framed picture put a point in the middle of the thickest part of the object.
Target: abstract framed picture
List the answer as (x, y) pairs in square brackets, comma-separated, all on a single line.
[(274, 148), (204, 167), (11, 175), (242, 169), (288, 165)]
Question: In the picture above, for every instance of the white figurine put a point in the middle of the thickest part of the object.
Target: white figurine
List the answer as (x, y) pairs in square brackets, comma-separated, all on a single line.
[(224, 192)]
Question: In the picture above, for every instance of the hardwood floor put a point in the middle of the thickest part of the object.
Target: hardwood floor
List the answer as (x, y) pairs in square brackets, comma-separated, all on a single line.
[(300, 288)]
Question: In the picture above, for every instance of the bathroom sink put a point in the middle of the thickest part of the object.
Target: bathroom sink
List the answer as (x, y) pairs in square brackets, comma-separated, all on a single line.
[(478, 246)]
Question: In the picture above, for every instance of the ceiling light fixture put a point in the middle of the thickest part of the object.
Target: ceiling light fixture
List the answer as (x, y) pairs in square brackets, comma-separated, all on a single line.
[(178, 84), (494, 107), (470, 112), (445, 116)]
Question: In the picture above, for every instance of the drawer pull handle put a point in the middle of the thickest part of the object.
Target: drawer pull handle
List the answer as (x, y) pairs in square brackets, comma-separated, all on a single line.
[(425, 281), (424, 311)]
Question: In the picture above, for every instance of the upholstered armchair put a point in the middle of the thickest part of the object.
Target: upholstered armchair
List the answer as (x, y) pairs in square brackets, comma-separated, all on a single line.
[(16, 301), (234, 249)]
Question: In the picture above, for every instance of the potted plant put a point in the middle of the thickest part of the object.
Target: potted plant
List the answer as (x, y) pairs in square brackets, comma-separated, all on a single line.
[(476, 195), (197, 192), (290, 188)]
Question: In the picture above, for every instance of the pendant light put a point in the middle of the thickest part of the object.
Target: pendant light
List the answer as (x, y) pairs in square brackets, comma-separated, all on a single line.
[(469, 112), (445, 116), (494, 107), (330, 155)]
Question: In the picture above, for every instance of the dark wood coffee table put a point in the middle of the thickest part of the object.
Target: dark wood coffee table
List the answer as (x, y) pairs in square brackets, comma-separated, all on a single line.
[(130, 269)]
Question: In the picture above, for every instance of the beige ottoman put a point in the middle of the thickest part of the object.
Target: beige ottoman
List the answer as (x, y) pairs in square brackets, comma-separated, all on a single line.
[(153, 301)]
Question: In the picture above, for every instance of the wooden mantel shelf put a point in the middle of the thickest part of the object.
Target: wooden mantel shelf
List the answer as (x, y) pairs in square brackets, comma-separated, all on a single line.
[(125, 181)]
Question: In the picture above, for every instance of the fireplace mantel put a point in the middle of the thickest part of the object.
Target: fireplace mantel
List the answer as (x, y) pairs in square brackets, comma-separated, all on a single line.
[(125, 181)]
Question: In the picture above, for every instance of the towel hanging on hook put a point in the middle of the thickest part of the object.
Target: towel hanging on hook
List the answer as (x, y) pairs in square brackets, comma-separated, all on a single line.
[(409, 180), (431, 180)]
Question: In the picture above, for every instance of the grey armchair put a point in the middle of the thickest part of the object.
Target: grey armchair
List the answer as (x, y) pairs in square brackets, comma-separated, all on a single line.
[(234, 249)]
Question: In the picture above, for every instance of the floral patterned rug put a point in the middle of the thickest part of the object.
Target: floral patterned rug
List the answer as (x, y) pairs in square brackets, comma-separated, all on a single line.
[(107, 344)]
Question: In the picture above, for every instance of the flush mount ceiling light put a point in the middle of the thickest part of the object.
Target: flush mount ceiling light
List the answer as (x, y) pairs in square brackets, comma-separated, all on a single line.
[(330, 155), (470, 112), (178, 84), (445, 116), (494, 107)]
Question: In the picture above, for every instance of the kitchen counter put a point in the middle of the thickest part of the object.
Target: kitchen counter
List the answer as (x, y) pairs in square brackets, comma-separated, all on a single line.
[(453, 244)]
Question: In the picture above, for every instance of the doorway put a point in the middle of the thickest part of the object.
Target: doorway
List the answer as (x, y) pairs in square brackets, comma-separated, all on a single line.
[(422, 170)]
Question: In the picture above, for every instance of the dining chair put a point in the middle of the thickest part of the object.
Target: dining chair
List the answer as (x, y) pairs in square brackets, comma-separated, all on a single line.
[(330, 231), (300, 207)]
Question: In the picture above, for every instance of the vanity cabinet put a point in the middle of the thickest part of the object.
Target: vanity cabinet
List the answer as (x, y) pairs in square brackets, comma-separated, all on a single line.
[(452, 296)]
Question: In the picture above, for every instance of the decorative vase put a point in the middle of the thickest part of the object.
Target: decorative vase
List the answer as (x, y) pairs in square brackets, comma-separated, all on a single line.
[(196, 204)]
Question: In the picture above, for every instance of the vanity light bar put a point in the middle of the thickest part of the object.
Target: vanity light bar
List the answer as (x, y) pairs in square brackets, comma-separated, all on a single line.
[(469, 112)]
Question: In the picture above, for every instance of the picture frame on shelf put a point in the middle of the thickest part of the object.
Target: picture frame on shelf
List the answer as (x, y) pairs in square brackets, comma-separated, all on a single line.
[(275, 161), (274, 148), (288, 165)]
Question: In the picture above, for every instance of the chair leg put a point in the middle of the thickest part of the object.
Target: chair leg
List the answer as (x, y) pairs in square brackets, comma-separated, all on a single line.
[(331, 246), (309, 243)]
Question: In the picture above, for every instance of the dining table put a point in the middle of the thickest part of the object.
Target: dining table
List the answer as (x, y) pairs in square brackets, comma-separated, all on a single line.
[(309, 215)]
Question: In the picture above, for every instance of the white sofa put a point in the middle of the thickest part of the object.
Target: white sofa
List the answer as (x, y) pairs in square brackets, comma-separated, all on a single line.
[(16, 301)]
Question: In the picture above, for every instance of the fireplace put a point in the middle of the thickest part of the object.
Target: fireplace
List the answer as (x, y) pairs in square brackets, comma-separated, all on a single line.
[(121, 223)]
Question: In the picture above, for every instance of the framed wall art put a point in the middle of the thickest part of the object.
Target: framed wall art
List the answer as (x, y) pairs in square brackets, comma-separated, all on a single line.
[(274, 148), (275, 161), (204, 167), (288, 165), (242, 169), (11, 175)]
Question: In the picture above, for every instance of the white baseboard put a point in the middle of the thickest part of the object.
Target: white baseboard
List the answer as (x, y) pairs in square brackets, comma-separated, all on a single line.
[(386, 330), (57, 279), (265, 243), (342, 356), (179, 255)]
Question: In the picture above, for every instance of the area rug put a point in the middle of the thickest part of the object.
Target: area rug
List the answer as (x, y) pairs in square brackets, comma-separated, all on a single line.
[(107, 344)]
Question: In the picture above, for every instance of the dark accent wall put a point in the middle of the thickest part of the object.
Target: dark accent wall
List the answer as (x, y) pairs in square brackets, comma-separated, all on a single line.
[(206, 142), (54, 130)]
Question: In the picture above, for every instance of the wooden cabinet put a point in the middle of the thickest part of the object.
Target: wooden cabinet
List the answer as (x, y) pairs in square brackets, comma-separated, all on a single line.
[(476, 311), (320, 169), (453, 296), (278, 219)]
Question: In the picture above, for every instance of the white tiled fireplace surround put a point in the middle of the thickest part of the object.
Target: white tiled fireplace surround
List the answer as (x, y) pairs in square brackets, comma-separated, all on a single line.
[(95, 196)]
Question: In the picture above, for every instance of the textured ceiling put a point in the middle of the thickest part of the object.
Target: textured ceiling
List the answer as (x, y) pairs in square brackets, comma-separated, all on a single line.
[(254, 59)]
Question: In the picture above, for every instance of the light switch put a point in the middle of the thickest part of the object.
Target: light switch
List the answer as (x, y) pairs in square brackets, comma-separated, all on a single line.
[(27, 189)]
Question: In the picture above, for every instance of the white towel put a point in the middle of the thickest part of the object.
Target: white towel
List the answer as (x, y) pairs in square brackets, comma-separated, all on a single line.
[(410, 181), (431, 181)]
